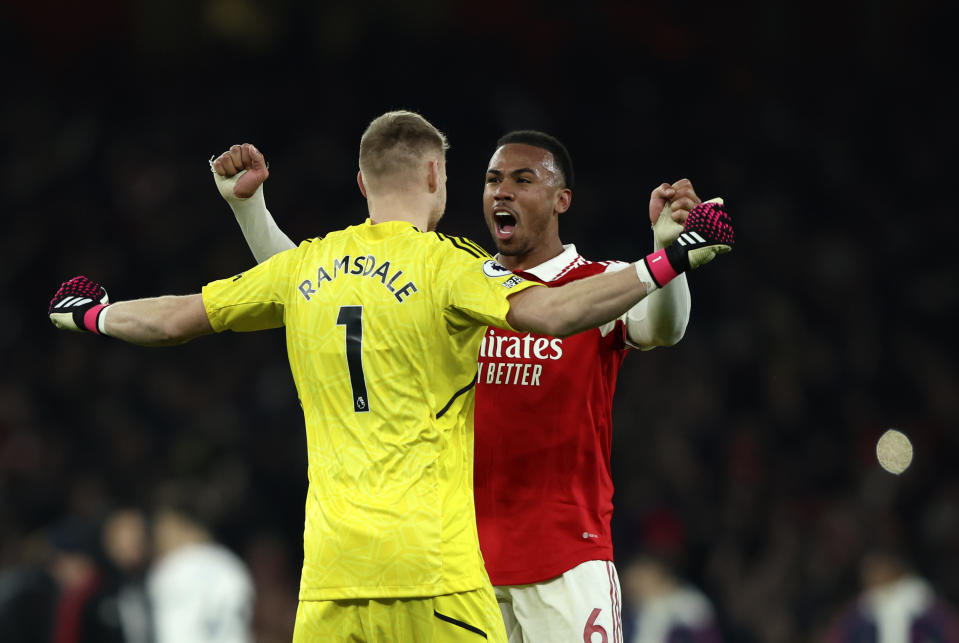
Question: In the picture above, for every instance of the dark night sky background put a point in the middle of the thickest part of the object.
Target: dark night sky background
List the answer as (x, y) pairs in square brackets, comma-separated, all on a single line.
[(744, 454)]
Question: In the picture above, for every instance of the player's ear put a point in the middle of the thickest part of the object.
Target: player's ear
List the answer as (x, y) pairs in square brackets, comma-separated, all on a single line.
[(564, 198), (433, 179), (359, 182)]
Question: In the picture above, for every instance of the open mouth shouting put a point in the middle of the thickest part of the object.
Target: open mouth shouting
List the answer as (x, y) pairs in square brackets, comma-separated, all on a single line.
[(504, 221)]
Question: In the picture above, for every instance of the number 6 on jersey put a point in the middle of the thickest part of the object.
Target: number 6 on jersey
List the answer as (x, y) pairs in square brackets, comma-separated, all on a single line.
[(352, 318)]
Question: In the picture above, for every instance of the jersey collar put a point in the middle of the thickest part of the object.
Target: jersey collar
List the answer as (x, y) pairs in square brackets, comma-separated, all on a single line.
[(558, 266), (386, 228)]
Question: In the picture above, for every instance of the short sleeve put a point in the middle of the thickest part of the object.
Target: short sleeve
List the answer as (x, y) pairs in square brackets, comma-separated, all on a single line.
[(478, 292), (251, 300)]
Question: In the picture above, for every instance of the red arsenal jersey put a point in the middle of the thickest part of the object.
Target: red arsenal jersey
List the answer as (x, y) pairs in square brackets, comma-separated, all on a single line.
[(544, 492)]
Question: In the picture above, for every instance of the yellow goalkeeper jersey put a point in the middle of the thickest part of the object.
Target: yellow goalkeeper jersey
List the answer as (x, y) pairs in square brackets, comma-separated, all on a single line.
[(383, 327)]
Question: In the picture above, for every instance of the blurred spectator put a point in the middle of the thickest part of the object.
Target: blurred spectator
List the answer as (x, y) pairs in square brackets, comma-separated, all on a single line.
[(660, 607), (62, 598), (895, 606), (200, 591), (126, 545)]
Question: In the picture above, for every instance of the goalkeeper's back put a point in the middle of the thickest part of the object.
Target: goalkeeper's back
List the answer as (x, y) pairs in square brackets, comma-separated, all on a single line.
[(383, 327)]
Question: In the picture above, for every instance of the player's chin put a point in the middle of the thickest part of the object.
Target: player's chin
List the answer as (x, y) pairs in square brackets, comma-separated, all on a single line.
[(503, 245), (509, 247)]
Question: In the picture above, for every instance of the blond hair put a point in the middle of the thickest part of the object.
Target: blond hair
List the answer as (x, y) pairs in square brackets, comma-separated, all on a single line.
[(395, 143)]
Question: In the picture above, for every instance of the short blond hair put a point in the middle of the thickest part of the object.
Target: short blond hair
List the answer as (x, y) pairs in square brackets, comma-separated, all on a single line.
[(396, 142)]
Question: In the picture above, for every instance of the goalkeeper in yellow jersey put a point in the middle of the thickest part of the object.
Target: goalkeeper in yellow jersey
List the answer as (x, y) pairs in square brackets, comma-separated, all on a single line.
[(383, 326)]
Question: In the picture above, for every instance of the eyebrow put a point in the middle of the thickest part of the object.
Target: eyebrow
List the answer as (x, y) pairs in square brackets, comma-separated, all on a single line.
[(516, 171)]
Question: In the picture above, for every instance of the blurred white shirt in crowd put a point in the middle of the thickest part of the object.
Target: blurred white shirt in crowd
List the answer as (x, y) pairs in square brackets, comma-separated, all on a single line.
[(201, 593)]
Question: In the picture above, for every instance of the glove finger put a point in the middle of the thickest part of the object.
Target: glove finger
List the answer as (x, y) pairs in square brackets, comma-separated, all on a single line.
[(666, 230), (63, 321), (710, 220)]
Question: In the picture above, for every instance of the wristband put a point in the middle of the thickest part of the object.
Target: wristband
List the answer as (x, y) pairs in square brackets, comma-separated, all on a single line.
[(656, 268), (102, 320), (92, 318)]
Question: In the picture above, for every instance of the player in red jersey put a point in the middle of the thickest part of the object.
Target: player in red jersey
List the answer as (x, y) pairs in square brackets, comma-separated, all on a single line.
[(542, 480)]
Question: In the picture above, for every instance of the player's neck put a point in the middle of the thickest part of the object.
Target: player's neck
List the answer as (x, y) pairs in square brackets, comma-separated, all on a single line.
[(421, 222), (536, 256), (417, 212)]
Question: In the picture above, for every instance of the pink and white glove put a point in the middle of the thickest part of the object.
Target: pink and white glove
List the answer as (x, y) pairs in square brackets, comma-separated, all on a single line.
[(79, 305), (708, 232)]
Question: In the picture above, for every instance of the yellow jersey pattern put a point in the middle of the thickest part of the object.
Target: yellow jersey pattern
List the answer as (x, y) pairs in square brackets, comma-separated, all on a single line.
[(383, 327)]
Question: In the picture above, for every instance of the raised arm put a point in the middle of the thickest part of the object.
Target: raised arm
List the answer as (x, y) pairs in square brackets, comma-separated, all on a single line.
[(83, 305), (239, 174), (591, 302), (661, 319)]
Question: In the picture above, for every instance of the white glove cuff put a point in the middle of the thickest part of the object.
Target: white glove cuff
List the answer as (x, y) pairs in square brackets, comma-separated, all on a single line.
[(643, 273), (102, 320)]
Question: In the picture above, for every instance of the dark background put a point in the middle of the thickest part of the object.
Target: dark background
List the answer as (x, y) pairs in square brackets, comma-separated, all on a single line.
[(745, 454)]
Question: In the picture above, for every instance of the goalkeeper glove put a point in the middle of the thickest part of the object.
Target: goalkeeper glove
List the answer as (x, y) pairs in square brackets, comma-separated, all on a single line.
[(708, 232), (79, 305), (665, 230)]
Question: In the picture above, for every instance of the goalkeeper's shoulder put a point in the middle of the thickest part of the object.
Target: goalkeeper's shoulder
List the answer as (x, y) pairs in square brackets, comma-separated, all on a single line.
[(305, 246)]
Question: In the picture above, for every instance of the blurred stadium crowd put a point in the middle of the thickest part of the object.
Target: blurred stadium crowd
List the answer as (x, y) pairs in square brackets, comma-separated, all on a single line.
[(744, 456)]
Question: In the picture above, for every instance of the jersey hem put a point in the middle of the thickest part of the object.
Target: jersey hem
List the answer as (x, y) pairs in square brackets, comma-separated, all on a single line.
[(397, 591), (529, 577)]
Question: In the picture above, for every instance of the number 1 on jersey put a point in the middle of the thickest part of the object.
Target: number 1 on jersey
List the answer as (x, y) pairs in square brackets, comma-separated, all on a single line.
[(352, 318)]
